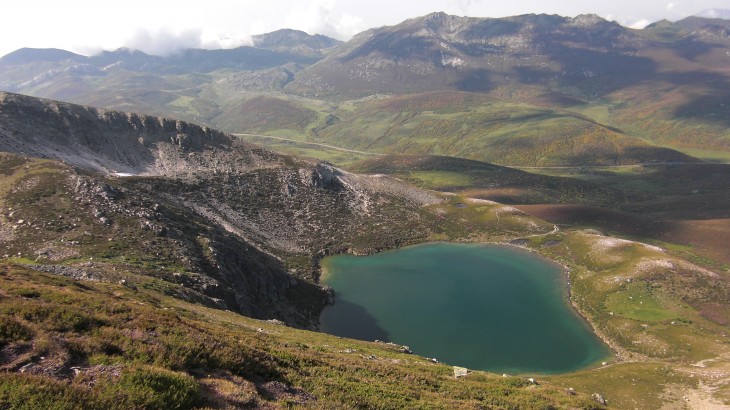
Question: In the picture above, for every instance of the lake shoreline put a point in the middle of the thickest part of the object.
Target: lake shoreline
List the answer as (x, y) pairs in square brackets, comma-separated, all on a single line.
[(562, 281), (619, 353)]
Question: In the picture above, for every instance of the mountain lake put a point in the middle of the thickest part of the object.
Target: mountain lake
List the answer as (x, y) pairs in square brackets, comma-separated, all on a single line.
[(484, 307)]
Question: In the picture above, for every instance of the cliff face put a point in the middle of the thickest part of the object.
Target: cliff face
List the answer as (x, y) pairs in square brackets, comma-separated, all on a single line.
[(115, 142), (77, 224)]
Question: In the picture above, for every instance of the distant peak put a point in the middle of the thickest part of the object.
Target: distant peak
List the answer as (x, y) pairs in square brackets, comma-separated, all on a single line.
[(127, 50), (437, 15), (440, 20), (294, 41), (661, 24), (588, 20), (284, 32), (29, 55)]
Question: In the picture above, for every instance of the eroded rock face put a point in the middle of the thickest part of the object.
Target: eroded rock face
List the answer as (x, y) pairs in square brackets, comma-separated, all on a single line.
[(115, 142), (105, 230), (325, 176)]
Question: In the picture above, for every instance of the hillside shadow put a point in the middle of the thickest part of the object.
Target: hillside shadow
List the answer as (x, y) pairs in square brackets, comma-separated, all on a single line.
[(560, 100), (474, 81), (533, 75), (654, 154), (691, 49), (347, 319), (712, 105), (603, 219), (597, 73), (491, 28), (396, 46)]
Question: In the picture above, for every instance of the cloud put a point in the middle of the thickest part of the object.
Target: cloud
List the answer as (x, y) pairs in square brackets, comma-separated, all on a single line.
[(670, 6), (348, 25), (640, 24), (465, 6), (232, 38), (324, 17), (163, 41)]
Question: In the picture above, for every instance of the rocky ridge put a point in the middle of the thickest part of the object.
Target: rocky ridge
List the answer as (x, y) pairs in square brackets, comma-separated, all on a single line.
[(237, 220), (440, 51), (113, 142)]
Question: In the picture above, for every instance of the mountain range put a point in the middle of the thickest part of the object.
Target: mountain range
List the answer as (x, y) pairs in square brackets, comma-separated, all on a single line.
[(582, 80)]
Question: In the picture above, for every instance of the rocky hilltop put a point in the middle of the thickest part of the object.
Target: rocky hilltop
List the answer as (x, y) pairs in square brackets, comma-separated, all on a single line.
[(584, 56), (236, 220), (441, 51), (295, 42), (114, 142)]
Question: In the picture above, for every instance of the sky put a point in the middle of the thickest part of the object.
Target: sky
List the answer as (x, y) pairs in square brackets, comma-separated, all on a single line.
[(163, 26)]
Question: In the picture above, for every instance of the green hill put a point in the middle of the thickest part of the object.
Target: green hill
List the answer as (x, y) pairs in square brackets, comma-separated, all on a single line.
[(451, 123)]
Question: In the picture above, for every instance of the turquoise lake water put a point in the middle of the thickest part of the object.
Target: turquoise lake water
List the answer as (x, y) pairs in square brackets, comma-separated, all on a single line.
[(484, 307)]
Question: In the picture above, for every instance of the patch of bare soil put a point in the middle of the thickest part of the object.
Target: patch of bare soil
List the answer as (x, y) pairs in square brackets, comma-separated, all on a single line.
[(15, 355), (712, 388), (280, 391)]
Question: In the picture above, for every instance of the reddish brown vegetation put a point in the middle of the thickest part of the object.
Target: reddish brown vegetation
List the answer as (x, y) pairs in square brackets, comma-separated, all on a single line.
[(708, 238)]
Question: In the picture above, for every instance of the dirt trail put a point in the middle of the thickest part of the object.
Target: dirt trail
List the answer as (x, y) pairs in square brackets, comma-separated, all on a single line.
[(308, 143)]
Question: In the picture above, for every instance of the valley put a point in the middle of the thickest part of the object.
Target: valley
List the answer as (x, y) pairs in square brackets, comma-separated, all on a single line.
[(163, 243), (180, 234), (531, 90)]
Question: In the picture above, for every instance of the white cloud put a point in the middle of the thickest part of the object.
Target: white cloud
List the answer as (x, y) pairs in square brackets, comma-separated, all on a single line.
[(324, 17), (222, 38), (348, 25), (670, 6), (465, 6), (163, 41), (640, 23)]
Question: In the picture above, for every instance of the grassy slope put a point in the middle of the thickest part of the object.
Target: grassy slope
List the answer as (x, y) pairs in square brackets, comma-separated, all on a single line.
[(119, 336), (683, 208), (683, 109), (456, 124), (138, 348), (263, 114), (486, 181), (689, 115), (113, 331), (124, 338), (654, 308), (141, 343), (302, 149)]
